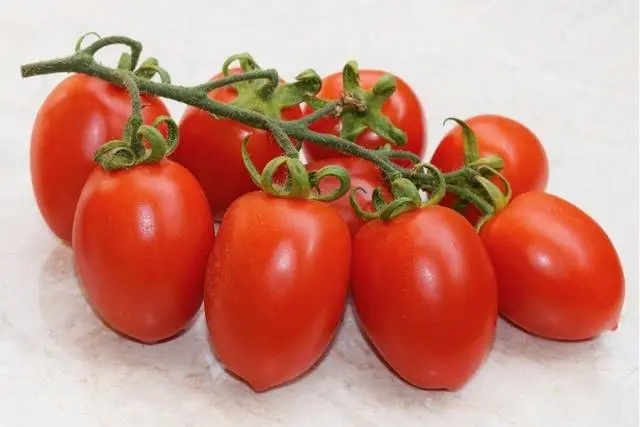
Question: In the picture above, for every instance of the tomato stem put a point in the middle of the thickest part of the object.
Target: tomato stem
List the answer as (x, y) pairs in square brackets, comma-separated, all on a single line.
[(356, 102)]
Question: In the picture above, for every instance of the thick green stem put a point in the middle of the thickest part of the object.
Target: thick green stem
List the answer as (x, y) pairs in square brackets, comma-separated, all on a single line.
[(283, 131)]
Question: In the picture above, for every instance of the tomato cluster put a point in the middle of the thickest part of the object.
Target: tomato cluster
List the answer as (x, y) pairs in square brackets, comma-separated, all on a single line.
[(427, 284)]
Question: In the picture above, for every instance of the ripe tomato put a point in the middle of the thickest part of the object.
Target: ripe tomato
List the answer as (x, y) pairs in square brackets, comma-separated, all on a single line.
[(365, 175), (525, 161), (425, 294), (403, 109), (141, 239), (276, 286), (210, 149), (559, 275), (78, 116)]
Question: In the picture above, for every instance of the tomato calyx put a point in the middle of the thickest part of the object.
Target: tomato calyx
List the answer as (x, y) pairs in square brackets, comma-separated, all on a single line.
[(362, 109), (299, 182), (139, 143), (499, 200), (267, 97), (406, 196)]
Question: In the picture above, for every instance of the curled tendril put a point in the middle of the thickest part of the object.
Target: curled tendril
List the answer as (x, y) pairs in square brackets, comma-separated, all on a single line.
[(157, 149), (134, 45), (116, 154), (247, 63), (402, 187), (499, 200), (358, 209), (331, 171), (438, 194), (149, 68), (470, 144), (398, 206), (172, 132), (297, 184), (256, 177), (82, 38)]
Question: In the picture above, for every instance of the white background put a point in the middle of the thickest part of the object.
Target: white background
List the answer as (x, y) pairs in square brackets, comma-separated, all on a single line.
[(568, 70)]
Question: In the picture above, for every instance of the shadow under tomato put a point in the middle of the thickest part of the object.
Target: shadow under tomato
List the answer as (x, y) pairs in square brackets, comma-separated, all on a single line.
[(515, 341), (300, 378), (372, 376), (75, 329)]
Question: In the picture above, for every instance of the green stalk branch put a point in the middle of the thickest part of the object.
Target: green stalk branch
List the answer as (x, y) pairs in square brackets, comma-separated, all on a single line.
[(83, 61)]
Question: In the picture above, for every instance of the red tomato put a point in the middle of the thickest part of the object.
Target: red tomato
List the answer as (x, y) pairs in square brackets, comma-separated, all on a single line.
[(141, 239), (403, 109), (525, 162), (276, 287), (559, 275), (78, 116), (365, 175), (211, 149), (425, 294)]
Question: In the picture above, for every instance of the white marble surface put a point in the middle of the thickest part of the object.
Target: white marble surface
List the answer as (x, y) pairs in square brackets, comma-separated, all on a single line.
[(566, 69)]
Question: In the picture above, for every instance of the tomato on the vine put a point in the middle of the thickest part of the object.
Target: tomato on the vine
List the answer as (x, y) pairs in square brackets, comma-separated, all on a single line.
[(210, 149), (276, 286), (364, 174), (141, 238), (425, 294), (79, 115), (403, 108), (525, 161), (559, 276)]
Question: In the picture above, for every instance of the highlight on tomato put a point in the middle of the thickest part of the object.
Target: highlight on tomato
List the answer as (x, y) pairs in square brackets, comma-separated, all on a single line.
[(277, 280), (382, 108), (210, 147), (559, 275), (142, 234), (523, 159), (425, 294), (76, 118)]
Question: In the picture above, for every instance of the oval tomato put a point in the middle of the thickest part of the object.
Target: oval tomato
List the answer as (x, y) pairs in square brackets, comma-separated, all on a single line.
[(211, 149), (559, 276), (276, 287), (525, 161), (364, 174), (403, 109), (425, 294), (141, 239), (78, 116)]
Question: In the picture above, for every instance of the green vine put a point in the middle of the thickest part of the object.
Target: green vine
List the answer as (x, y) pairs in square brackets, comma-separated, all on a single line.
[(358, 107)]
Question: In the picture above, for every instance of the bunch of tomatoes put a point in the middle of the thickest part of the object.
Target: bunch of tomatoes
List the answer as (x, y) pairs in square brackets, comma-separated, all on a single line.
[(427, 284)]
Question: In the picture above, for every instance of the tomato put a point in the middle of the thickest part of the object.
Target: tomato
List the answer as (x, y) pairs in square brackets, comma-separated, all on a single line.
[(425, 294), (276, 287), (365, 175), (525, 161), (403, 109), (141, 239), (78, 116), (210, 149), (559, 275)]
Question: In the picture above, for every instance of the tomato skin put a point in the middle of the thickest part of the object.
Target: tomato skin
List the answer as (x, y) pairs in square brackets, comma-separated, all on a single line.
[(526, 166), (211, 149), (425, 294), (79, 115), (365, 175), (276, 287), (141, 240), (559, 276), (403, 108)]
